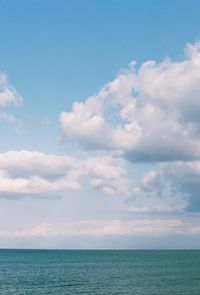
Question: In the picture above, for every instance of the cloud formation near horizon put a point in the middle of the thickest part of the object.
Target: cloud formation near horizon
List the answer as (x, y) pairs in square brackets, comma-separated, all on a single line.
[(105, 228)]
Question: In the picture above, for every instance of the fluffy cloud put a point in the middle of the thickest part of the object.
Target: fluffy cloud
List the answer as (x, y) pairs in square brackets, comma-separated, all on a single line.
[(174, 187), (184, 178), (151, 113), (32, 173), (107, 174)]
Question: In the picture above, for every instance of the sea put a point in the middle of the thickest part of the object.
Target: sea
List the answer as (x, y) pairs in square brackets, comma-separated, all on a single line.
[(95, 272)]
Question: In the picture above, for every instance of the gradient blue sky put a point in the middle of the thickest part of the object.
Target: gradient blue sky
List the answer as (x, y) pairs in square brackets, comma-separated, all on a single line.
[(84, 176)]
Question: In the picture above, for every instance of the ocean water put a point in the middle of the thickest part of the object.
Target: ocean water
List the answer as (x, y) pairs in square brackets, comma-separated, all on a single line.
[(62, 272)]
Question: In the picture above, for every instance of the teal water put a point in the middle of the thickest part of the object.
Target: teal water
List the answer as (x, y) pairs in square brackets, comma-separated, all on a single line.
[(60, 272)]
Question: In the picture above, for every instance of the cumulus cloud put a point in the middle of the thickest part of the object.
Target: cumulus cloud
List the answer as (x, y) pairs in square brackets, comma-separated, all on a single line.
[(184, 178), (29, 173), (151, 113), (174, 187), (108, 174)]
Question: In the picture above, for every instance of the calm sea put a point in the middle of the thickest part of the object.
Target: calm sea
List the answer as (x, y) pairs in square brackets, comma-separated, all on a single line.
[(60, 272)]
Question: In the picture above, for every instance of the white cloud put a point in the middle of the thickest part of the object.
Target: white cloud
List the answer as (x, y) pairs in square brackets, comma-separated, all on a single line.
[(174, 187), (156, 193), (105, 228), (108, 174), (131, 227), (152, 114), (30, 173), (10, 118), (8, 95), (184, 178)]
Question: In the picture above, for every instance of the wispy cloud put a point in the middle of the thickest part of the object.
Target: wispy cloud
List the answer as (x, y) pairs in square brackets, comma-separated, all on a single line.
[(104, 228), (8, 97), (8, 94)]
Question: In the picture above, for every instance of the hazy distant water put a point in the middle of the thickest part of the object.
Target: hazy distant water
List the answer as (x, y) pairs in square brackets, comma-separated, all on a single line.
[(27, 272)]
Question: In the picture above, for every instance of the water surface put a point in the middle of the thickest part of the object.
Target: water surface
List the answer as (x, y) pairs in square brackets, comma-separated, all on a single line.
[(62, 272)]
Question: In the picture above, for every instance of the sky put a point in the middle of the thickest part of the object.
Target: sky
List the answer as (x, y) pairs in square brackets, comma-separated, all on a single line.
[(100, 124)]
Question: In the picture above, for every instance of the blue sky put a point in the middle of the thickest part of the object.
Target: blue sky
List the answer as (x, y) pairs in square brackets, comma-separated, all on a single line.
[(97, 151)]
